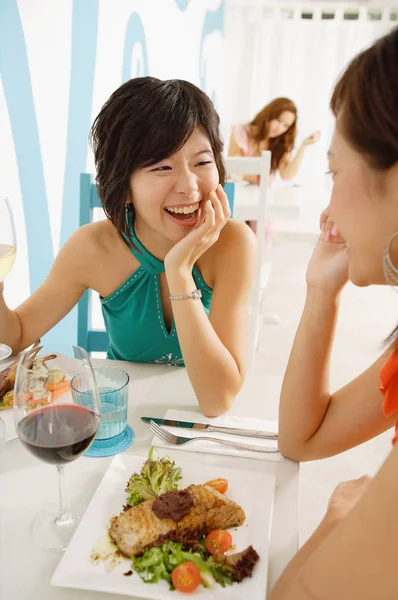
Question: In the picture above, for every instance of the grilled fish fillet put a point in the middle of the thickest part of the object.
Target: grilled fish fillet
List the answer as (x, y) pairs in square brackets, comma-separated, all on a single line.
[(139, 528)]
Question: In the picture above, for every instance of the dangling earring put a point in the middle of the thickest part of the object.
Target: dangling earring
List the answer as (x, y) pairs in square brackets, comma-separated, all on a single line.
[(127, 213), (390, 272)]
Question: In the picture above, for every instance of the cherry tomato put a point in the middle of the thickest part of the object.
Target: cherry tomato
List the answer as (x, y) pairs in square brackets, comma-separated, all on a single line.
[(221, 485), (218, 541), (186, 577)]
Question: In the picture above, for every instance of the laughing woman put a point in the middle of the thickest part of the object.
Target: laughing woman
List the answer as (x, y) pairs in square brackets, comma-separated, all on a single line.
[(173, 272)]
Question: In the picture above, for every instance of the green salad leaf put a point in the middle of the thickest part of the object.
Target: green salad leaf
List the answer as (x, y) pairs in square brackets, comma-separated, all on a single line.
[(158, 563), (156, 477)]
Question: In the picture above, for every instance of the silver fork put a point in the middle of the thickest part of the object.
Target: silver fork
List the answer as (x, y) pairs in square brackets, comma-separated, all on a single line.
[(177, 440)]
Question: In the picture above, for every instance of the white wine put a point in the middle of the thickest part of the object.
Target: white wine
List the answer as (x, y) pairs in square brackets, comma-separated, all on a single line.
[(7, 258)]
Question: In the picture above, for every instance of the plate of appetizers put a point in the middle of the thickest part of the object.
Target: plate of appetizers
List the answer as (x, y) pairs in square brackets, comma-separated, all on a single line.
[(156, 528), (49, 382)]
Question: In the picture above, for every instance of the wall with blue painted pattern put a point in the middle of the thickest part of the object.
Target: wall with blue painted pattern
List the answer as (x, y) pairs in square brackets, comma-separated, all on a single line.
[(59, 62)]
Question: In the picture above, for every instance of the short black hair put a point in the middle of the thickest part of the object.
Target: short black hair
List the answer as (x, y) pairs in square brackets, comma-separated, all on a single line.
[(143, 122)]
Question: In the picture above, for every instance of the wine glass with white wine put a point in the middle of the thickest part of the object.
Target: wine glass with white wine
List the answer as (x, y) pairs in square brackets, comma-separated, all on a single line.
[(8, 252)]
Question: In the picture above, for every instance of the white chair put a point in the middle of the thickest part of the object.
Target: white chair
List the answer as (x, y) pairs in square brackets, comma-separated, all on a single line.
[(250, 205)]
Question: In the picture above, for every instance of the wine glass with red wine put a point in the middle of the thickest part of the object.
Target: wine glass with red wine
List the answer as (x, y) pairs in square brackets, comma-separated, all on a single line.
[(52, 423)]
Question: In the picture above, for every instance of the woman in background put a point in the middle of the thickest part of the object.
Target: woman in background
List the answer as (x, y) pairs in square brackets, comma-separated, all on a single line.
[(274, 128)]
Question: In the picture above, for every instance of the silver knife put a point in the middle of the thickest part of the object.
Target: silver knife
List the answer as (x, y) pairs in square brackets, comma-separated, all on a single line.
[(266, 435)]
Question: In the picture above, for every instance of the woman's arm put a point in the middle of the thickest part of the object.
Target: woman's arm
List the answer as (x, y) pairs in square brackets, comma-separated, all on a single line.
[(288, 167), (10, 327), (344, 498), (215, 348), (312, 422), (287, 580), (57, 295), (357, 557)]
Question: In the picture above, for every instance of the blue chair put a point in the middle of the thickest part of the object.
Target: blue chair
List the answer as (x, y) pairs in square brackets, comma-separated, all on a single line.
[(94, 340)]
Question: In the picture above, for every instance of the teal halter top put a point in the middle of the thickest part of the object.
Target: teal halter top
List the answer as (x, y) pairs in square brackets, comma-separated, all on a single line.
[(133, 313)]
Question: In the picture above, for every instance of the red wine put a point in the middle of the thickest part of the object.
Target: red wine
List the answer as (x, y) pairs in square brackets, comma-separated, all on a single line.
[(58, 434)]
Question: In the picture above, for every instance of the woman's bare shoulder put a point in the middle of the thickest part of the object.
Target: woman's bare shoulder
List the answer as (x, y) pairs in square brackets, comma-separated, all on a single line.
[(99, 236), (90, 244), (235, 234), (236, 246)]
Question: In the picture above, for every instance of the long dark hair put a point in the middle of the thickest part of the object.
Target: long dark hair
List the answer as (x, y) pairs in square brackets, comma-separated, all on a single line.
[(259, 129), (143, 122)]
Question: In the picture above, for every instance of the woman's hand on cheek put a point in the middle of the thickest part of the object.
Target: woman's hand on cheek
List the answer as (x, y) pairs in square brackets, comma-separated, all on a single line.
[(215, 212), (328, 267)]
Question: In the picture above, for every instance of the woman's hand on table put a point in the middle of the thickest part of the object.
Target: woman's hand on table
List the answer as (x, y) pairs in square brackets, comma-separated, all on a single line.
[(345, 497)]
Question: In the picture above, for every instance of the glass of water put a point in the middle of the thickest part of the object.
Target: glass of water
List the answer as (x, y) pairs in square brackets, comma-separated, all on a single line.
[(113, 394)]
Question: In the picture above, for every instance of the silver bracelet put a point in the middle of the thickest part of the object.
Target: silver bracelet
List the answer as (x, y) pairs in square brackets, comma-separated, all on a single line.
[(195, 295)]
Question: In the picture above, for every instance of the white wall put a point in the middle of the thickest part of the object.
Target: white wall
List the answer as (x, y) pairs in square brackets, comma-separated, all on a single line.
[(60, 60)]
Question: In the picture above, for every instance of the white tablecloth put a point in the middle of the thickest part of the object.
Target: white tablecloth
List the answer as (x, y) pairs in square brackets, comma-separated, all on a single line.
[(28, 485)]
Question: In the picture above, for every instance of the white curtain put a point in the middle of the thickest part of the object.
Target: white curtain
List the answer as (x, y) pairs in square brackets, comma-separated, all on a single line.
[(268, 56)]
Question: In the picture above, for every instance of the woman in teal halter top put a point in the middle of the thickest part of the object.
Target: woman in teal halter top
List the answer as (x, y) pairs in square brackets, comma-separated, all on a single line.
[(133, 314), (173, 271)]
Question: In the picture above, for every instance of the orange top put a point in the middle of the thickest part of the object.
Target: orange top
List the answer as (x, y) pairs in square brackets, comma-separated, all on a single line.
[(389, 387)]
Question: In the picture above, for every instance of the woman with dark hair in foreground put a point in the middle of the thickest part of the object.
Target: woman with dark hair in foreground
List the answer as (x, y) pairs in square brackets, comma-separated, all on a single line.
[(173, 272), (352, 555)]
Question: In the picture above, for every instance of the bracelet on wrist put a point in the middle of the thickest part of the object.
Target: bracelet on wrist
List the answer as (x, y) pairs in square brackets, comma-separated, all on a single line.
[(195, 295)]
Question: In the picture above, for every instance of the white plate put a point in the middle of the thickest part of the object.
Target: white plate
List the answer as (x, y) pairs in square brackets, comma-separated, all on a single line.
[(254, 492)]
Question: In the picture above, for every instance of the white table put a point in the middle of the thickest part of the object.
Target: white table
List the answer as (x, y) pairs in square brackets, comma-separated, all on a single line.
[(27, 485)]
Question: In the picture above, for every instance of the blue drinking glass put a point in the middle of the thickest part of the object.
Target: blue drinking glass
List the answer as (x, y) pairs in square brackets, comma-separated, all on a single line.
[(112, 386)]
